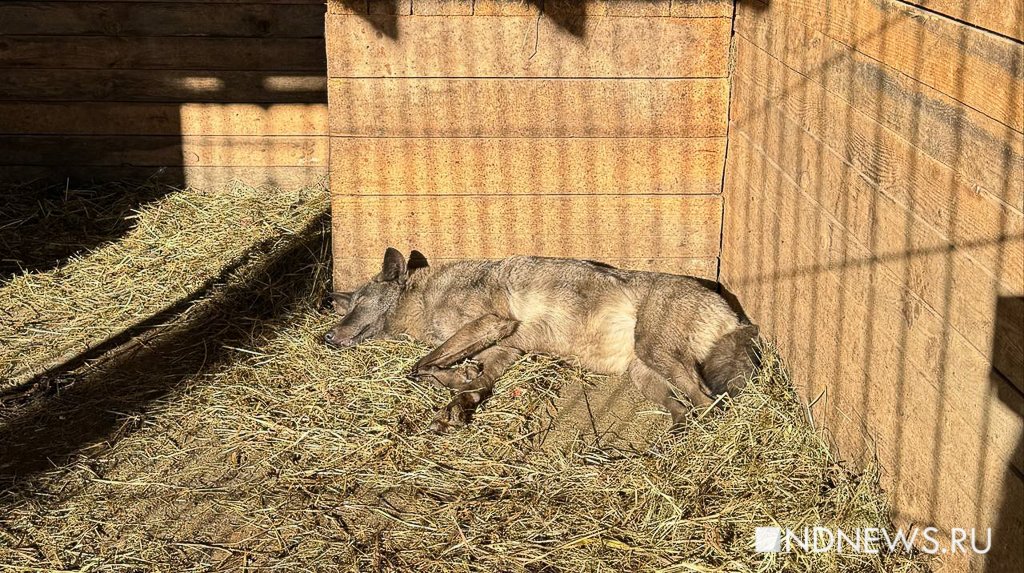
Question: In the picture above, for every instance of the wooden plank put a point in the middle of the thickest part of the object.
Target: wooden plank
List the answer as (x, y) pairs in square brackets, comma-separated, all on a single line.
[(974, 222), (593, 227), (1006, 18), (943, 274), (159, 53), (354, 271), (940, 468), (528, 108), (702, 8), (583, 9), (442, 7), (164, 150), (98, 118), (164, 19), (213, 1), (981, 70), (200, 177), (276, 177), (502, 166), (985, 152), (906, 357), (347, 7), (506, 7), (162, 86), (522, 46), (639, 8), (395, 7)]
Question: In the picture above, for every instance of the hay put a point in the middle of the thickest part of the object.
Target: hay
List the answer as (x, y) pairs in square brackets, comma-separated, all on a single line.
[(176, 249), (234, 439)]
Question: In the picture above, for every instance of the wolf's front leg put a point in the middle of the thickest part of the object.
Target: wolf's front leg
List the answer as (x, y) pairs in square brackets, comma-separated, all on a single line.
[(474, 337), (494, 361)]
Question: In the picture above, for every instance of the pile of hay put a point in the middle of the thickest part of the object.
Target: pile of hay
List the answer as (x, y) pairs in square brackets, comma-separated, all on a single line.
[(233, 438), (174, 249)]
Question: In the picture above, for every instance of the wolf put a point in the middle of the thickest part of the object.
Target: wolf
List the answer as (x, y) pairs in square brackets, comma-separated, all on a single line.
[(674, 336)]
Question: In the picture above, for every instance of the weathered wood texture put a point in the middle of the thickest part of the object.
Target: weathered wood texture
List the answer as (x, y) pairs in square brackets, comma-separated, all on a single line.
[(194, 92), (874, 225), (483, 129)]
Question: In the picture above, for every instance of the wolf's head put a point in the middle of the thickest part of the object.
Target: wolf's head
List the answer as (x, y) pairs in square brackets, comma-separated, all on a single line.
[(367, 309)]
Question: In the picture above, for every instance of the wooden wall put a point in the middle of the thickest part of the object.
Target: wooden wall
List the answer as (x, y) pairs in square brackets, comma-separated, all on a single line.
[(873, 225), (483, 129), (201, 91)]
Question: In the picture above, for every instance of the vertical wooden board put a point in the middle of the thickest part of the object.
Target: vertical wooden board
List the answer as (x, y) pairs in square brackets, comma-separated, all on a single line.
[(981, 70), (522, 46), (521, 166), (601, 228), (528, 108), (986, 152)]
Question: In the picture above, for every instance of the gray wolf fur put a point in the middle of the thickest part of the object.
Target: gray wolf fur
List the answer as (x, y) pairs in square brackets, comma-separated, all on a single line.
[(675, 337)]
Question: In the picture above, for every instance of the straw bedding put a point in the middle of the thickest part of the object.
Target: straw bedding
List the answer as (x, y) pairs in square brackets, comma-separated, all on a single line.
[(234, 439)]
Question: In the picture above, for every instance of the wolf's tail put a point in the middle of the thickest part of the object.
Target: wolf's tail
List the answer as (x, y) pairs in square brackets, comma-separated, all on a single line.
[(732, 361)]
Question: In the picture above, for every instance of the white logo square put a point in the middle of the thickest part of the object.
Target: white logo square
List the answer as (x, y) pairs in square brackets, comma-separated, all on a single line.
[(767, 539)]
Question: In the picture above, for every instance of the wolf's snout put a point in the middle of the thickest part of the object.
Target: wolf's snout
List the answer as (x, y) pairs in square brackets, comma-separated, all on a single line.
[(337, 341)]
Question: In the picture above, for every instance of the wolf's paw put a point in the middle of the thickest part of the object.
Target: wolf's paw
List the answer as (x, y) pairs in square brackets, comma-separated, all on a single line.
[(451, 416)]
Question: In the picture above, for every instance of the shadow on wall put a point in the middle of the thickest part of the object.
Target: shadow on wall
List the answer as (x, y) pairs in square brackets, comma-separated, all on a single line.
[(108, 105), (1007, 552)]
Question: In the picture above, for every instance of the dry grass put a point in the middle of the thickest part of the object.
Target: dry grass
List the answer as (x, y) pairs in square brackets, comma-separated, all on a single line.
[(174, 249), (234, 439)]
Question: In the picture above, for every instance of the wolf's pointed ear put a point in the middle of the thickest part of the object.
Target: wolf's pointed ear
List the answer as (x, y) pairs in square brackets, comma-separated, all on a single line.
[(417, 261), (340, 301), (393, 269)]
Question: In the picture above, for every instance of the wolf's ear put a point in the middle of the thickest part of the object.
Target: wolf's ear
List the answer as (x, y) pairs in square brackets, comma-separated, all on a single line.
[(393, 269), (340, 301), (417, 261)]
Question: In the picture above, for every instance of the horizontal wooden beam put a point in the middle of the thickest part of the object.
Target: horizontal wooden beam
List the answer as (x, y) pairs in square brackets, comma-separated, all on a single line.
[(528, 107)]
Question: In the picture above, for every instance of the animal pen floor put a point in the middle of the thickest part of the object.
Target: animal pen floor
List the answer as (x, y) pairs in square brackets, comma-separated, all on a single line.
[(210, 429)]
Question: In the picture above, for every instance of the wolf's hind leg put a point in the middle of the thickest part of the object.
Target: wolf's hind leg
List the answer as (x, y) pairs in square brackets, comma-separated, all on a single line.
[(494, 362), (471, 339)]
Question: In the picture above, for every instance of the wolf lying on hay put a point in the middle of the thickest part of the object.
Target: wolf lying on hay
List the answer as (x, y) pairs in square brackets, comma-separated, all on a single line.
[(673, 336)]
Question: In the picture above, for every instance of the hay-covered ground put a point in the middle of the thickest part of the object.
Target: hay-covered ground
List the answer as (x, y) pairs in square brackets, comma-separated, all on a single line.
[(233, 439)]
